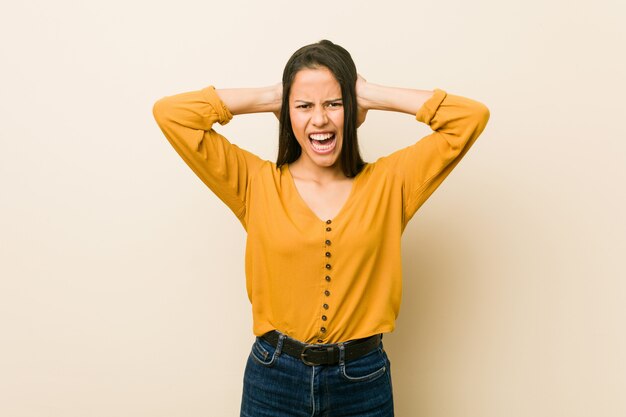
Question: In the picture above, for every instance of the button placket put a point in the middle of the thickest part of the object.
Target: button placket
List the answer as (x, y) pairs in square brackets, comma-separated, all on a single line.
[(328, 267)]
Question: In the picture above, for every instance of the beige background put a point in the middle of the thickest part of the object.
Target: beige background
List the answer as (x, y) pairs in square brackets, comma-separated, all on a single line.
[(122, 281)]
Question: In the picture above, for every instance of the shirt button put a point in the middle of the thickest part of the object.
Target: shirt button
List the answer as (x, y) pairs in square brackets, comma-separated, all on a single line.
[(326, 293), (327, 266), (324, 318), (328, 229), (327, 278), (325, 306), (328, 242), (329, 221), (323, 329), (328, 254)]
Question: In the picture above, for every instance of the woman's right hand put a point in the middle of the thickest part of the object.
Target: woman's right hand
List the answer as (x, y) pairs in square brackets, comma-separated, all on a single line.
[(278, 93)]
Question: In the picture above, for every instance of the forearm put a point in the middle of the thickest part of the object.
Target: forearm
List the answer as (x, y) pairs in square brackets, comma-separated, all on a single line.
[(252, 100), (405, 100)]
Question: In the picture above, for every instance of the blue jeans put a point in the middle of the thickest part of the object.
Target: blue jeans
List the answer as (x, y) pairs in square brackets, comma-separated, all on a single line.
[(278, 385)]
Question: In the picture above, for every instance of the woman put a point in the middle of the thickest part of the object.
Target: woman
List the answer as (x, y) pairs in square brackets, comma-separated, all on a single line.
[(323, 258)]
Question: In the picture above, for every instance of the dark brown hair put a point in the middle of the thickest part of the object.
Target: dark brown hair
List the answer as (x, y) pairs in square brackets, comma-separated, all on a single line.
[(329, 55)]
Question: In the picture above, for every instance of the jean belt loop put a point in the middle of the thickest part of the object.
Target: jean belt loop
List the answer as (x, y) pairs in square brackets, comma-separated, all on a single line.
[(342, 353), (279, 345)]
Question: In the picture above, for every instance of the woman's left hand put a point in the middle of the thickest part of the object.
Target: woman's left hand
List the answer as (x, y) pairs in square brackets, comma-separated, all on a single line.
[(362, 107)]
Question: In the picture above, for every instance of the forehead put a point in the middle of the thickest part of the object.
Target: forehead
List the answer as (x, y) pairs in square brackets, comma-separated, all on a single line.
[(315, 83)]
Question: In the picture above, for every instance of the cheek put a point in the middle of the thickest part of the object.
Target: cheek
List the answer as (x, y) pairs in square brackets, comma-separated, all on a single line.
[(297, 122), (297, 127), (338, 120)]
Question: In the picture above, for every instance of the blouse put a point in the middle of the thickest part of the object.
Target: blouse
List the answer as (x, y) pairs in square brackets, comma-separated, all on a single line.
[(321, 280)]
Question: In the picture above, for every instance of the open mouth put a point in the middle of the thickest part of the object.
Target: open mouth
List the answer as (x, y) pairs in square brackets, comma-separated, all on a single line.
[(322, 142)]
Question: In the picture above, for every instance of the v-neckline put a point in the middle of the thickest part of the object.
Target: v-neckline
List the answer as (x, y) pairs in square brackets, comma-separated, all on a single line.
[(305, 205)]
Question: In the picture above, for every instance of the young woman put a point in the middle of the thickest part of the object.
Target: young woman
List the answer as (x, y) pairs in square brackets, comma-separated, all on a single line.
[(323, 258)]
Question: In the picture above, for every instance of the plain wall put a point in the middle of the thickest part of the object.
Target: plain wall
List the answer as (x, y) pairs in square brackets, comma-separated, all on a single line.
[(122, 286)]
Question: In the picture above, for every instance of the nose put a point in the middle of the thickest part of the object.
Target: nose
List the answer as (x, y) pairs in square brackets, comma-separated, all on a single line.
[(320, 118)]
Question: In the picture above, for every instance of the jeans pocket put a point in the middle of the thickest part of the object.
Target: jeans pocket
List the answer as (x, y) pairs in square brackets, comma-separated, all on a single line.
[(366, 368), (263, 353)]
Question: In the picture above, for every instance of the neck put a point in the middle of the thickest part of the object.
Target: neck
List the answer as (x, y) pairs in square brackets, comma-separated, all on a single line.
[(316, 173)]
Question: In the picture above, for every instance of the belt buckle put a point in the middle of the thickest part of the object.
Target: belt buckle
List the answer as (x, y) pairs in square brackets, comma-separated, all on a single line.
[(303, 354)]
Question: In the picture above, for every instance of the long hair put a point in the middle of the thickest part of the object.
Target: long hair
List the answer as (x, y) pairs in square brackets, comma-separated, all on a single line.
[(322, 54)]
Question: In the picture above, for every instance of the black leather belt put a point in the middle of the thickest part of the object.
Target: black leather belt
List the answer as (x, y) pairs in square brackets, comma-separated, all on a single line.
[(313, 355)]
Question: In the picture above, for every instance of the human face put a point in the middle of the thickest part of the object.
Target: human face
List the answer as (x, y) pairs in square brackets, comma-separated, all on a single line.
[(316, 112)]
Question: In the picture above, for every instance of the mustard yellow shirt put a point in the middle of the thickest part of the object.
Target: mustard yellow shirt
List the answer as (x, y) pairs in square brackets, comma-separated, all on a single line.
[(321, 280)]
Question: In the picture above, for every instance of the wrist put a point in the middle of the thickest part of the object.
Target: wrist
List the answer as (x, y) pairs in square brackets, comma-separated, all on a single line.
[(269, 98), (404, 100), (250, 100), (277, 97), (374, 97)]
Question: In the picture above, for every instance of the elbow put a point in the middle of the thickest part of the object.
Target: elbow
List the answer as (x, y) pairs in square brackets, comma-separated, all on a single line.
[(475, 121), (485, 113), (480, 115), (160, 111)]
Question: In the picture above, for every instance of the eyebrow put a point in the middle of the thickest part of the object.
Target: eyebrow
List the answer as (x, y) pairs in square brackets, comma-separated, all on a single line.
[(327, 101)]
